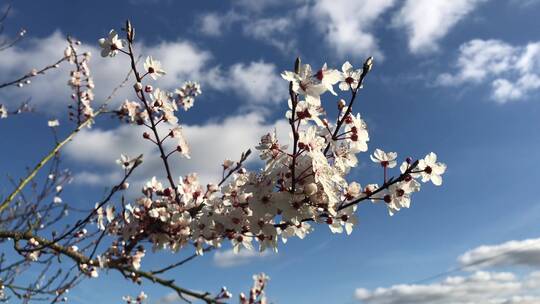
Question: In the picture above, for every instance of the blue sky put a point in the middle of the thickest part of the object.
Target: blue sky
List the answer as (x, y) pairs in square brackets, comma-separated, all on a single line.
[(460, 78)]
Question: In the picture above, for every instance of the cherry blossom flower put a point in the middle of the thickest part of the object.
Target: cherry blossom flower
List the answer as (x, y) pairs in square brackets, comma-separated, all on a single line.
[(33, 255), (109, 213), (256, 294), (306, 112), (3, 111), (387, 160), (358, 134), (141, 298), (125, 161), (353, 191), (312, 86), (431, 169), (182, 145), (153, 68), (187, 93), (99, 217), (130, 109), (311, 140), (399, 195), (350, 77), (53, 123), (328, 77), (111, 44)]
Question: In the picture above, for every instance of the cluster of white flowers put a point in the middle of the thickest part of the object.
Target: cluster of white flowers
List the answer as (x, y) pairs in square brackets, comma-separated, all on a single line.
[(33, 255), (162, 104), (80, 82), (187, 94), (141, 298), (301, 183), (89, 270), (256, 293)]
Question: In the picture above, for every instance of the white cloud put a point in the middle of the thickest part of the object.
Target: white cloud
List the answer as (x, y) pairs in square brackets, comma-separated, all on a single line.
[(260, 5), (228, 258), (258, 82), (182, 61), (525, 3), (478, 287), (214, 24), (210, 24), (92, 178), (512, 71), (513, 253), (173, 297), (427, 21), (210, 144), (274, 31), (347, 25)]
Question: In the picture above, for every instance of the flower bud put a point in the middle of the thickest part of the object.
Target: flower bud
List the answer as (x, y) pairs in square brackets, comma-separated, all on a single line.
[(212, 187), (148, 89), (310, 189), (341, 104), (68, 52), (227, 163), (146, 135), (368, 64), (130, 31), (297, 63), (138, 86), (354, 189)]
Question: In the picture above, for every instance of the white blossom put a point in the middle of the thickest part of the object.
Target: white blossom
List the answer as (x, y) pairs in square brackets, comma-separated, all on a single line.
[(431, 169), (153, 68), (111, 44), (53, 123), (187, 93), (387, 160), (3, 111)]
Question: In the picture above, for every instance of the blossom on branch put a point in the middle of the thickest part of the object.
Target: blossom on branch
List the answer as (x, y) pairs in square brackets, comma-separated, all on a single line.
[(386, 160), (111, 44), (431, 169), (305, 183), (153, 68), (187, 93)]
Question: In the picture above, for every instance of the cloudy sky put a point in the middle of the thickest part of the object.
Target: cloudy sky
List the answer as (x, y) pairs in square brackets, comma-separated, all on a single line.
[(460, 77)]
